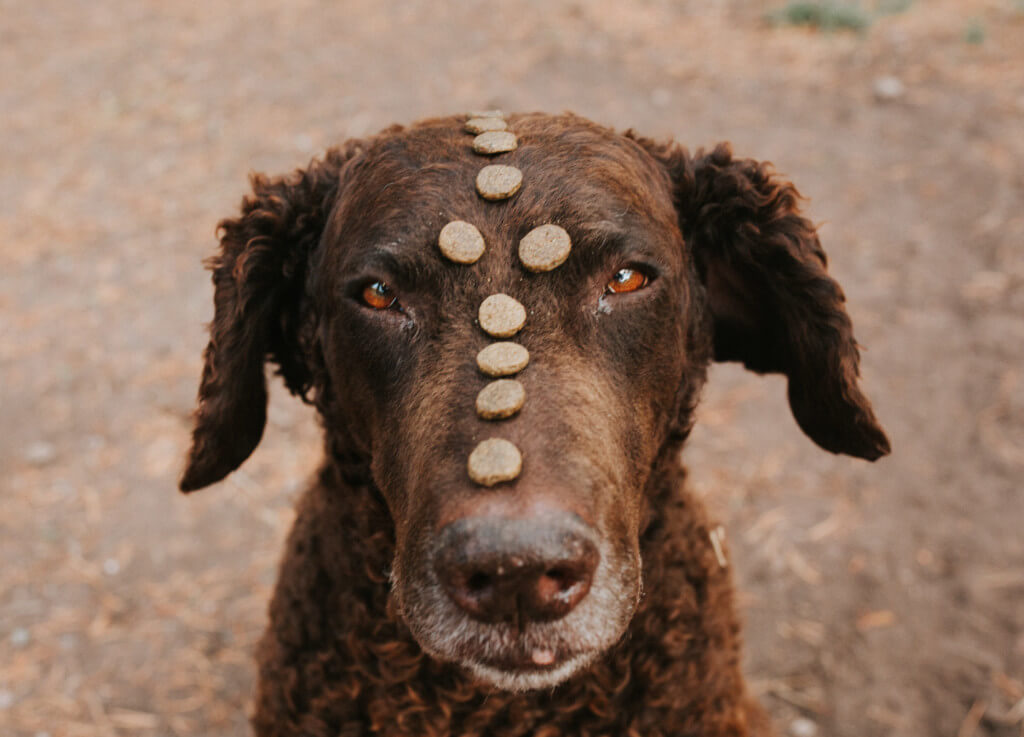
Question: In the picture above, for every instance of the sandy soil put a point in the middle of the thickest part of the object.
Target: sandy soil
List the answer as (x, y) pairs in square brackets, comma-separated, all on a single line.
[(882, 599)]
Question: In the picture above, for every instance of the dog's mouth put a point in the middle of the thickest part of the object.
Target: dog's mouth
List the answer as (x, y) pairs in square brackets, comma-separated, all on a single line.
[(542, 656), (542, 668), (528, 658)]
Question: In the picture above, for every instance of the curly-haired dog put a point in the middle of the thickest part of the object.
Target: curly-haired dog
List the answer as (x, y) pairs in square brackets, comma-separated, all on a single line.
[(584, 593)]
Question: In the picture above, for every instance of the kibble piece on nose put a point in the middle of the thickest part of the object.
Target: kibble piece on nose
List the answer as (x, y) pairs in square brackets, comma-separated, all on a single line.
[(498, 182), (501, 316), (495, 142), (482, 125), (500, 399), (461, 242), (545, 248), (502, 359), (493, 461), (485, 114)]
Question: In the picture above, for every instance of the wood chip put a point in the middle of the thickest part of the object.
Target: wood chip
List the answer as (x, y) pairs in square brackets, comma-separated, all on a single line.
[(461, 242), (495, 142), (498, 182), (875, 620), (502, 359), (493, 461), (717, 536), (501, 316), (545, 248), (500, 399), (973, 718), (482, 125)]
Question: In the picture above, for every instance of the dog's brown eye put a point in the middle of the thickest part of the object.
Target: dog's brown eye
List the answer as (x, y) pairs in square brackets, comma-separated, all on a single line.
[(627, 280), (379, 296)]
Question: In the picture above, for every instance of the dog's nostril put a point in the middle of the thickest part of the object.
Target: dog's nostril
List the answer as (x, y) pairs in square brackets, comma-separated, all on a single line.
[(553, 585), (559, 574), (560, 579)]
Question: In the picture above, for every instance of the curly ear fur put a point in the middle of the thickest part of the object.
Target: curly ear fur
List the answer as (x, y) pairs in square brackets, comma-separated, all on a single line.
[(259, 278), (774, 306)]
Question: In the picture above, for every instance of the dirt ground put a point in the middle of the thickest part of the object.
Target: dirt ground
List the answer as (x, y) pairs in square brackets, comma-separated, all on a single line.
[(883, 599)]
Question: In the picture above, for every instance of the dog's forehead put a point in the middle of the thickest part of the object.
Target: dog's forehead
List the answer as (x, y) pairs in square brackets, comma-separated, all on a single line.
[(482, 225), (585, 177)]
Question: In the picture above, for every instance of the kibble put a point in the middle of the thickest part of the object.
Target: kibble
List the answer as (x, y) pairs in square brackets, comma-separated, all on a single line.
[(501, 316), (482, 125), (498, 182), (494, 460), (502, 359), (545, 248), (461, 242), (495, 142), (500, 399)]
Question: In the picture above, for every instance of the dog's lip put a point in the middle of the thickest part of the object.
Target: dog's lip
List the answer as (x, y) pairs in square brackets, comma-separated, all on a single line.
[(540, 658)]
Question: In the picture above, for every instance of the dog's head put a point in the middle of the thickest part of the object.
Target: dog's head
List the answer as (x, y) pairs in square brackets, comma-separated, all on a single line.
[(335, 275)]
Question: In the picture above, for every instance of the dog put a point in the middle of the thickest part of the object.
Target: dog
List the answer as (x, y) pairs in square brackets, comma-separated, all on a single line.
[(543, 571)]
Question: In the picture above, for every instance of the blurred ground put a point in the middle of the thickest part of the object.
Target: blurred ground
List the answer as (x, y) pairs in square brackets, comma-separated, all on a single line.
[(881, 599)]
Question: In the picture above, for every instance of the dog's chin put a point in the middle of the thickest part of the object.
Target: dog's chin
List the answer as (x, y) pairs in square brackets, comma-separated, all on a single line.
[(529, 679)]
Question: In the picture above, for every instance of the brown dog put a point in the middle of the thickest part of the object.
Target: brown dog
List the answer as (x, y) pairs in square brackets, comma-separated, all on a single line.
[(584, 597)]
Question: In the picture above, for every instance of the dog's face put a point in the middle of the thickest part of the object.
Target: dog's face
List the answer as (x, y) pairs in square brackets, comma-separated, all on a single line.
[(338, 278), (606, 369)]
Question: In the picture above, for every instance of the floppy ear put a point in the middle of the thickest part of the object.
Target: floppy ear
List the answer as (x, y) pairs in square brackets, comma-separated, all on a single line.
[(773, 304), (259, 284)]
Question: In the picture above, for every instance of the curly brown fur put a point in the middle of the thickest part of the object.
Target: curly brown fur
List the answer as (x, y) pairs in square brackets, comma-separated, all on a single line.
[(366, 636), (338, 660)]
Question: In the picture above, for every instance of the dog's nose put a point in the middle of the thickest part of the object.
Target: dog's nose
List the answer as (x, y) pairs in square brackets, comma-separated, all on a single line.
[(511, 570)]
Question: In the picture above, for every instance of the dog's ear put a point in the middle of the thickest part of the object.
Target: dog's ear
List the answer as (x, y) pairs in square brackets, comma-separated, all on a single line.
[(259, 286), (773, 304)]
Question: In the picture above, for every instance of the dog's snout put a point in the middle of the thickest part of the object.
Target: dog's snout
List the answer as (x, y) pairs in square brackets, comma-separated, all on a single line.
[(511, 570)]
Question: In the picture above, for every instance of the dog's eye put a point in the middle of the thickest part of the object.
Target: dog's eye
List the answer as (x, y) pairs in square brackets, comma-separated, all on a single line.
[(379, 296), (626, 280)]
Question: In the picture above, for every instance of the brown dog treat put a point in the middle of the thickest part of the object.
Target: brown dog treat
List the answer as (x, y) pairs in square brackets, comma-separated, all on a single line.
[(495, 142), (500, 399), (485, 114), (497, 182), (482, 125), (501, 316), (493, 461), (545, 248), (502, 359), (461, 242)]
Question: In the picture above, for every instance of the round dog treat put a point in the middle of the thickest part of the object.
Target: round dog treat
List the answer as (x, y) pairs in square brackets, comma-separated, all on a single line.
[(485, 114), (493, 461), (497, 182), (544, 248), (495, 142), (501, 316), (500, 399), (502, 359), (461, 242), (482, 125)]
